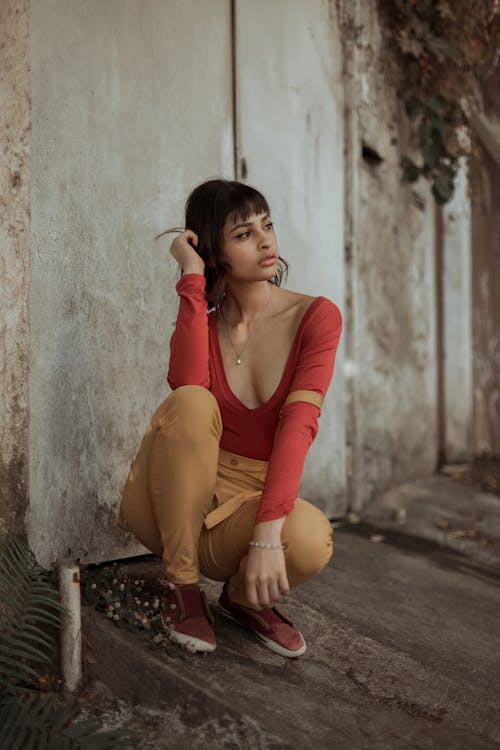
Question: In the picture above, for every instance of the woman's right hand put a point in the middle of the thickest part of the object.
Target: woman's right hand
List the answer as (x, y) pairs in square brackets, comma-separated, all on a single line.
[(185, 254)]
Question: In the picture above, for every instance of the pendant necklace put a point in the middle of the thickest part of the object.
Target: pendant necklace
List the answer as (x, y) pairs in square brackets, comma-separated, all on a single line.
[(238, 355)]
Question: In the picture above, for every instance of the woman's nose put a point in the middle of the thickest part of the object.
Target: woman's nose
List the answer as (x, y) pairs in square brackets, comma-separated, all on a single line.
[(264, 240)]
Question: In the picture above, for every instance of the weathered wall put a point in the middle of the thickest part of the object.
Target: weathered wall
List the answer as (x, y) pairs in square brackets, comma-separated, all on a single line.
[(485, 211), (14, 260), (486, 302), (391, 365), (457, 323), (290, 136), (131, 109)]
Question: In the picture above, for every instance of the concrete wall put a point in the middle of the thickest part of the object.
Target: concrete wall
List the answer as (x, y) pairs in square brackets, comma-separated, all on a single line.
[(131, 109), (485, 220), (15, 124), (290, 139), (485, 178), (457, 324), (390, 362)]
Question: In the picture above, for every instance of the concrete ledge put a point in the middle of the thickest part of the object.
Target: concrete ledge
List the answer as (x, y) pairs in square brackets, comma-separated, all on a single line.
[(402, 653), (442, 510), (144, 679)]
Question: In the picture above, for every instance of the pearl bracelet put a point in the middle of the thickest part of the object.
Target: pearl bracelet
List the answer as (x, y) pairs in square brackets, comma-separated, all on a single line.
[(269, 546)]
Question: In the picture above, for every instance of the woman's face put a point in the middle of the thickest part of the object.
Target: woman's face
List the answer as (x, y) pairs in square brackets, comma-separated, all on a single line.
[(246, 243)]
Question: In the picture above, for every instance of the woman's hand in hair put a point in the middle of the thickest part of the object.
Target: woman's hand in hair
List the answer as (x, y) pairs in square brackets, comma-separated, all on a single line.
[(183, 250)]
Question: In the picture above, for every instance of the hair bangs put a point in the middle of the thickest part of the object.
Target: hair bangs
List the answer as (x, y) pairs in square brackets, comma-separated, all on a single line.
[(246, 201)]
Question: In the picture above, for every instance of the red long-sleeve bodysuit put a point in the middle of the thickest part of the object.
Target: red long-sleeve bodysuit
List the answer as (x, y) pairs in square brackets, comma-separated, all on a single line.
[(195, 359)]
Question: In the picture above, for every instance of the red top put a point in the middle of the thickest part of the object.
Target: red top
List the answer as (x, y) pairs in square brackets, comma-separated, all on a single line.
[(195, 359)]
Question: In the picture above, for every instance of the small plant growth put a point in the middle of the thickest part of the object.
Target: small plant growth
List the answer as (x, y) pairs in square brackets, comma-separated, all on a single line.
[(32, 713), (130, 602), (444, 50)]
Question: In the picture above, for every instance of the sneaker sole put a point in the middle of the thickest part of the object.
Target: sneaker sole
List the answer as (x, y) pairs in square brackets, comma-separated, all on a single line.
[(189, 642), (264, 639), (281, 649)]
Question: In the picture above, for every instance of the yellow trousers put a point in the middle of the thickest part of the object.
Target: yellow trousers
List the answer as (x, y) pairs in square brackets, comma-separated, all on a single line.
[(194, 504)]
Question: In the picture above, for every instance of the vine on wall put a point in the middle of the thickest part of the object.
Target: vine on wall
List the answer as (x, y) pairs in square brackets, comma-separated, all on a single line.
[(443, 52)]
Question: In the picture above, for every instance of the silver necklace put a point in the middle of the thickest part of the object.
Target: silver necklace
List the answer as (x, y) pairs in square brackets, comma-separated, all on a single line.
[(238, 355)]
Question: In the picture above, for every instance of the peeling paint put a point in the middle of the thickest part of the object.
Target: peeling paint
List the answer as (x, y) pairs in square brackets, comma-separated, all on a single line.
[(116, 147), (486, 305), (390, 316), (15, 128)]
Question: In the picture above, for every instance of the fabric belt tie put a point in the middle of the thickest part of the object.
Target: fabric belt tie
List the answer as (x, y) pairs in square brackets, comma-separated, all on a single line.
[(229, 507)]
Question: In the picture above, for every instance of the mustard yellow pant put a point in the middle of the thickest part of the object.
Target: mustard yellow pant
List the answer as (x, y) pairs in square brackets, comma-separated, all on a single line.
[(194, 504)]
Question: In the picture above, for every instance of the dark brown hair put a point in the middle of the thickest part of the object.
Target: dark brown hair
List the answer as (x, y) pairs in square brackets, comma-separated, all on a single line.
[(207, 209)]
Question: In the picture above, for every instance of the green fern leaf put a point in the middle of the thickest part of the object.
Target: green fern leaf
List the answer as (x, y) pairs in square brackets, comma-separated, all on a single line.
[(42, 722), (30, 720)]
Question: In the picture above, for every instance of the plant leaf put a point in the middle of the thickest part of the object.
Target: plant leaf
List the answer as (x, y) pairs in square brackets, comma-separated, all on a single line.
[(411, 172), (41, 721), (443, 188), (32, 720)]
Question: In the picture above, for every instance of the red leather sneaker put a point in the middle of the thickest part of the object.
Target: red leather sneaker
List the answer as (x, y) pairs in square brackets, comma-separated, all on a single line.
[(270, 625), (187, 618)]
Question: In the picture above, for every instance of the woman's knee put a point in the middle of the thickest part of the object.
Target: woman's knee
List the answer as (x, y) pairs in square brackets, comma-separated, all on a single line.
[(193, 409), (308, 536)]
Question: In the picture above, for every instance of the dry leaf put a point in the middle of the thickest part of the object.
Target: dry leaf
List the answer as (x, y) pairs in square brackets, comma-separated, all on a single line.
[(442, 523)]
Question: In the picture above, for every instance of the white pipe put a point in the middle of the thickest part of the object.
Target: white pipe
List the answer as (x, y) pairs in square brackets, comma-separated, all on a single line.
[(71, 632)]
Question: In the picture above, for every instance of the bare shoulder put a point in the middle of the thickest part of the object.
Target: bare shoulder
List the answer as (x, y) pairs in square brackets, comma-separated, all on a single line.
[(327, 313), (294, 303)]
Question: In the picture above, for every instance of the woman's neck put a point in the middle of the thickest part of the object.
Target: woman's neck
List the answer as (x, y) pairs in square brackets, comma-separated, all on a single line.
[(246, 303)]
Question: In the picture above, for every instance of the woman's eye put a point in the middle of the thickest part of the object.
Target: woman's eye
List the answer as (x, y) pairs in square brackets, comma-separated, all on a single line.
[(243, 235)]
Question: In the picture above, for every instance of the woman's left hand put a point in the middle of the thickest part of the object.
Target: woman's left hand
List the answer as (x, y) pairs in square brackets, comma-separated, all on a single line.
[(266, 578)]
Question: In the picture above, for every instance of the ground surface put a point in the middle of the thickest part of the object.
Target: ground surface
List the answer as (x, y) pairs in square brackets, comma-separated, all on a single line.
[(403, 636)]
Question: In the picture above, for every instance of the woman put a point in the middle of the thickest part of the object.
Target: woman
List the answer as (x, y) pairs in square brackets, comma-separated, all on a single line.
[(213, 488)]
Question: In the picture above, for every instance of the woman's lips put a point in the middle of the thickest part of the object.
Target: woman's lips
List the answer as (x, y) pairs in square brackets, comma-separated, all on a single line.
[(267, 261)]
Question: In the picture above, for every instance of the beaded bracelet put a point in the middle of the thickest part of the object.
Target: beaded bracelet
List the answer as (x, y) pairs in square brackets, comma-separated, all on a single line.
[(269, 546)]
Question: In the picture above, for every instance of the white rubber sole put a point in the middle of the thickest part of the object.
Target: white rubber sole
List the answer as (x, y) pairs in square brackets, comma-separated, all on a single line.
[(281, 650), (189, 642)]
